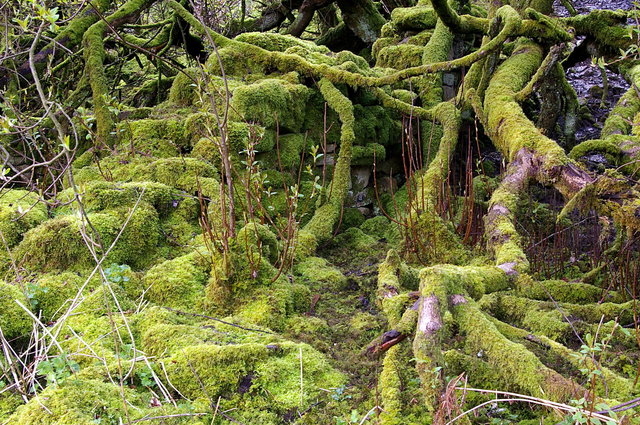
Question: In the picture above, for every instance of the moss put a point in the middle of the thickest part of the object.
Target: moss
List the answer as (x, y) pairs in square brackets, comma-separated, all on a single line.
[(166, 339), (515, 362), (52, 293), (616, 386), (351, 217), (508, 126), (206, 149), (269, 306), (183, 89), (160, 137), (77, 402), (391, 388), (288, 155), (382, 43), (367, 155), (259, 237), (57, 244), (14, 320), (374, 123), (355, 239), (272, 101), (400, 56), (604, 26), (561, 291), (178, 283), (318, 270), (273, 371), (308, 329), (405, 96), (189, 174), (376, 226), (20, 211), (9, 402), (279, 42), (322, 223), (94, 55), (413, 18), (103, 195)]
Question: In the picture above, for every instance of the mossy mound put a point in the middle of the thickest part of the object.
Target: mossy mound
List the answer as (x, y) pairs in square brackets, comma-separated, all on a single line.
[(76, 402), (14, 320), (20, 210)]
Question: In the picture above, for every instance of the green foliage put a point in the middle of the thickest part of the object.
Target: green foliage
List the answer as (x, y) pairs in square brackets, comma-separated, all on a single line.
[(57, 369)]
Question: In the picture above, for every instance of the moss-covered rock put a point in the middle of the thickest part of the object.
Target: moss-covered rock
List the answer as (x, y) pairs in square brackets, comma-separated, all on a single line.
[(20, 210), (178, 283), (76, 402), (52, 292), (272, 101), (14, 320), (261, 371)]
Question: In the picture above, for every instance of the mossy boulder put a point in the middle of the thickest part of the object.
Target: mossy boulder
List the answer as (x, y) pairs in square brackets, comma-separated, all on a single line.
[(76, 402), (178, 283), (58, 244), (20, 210), (52, 292), (14, 320), (272, 101), (263, 372)]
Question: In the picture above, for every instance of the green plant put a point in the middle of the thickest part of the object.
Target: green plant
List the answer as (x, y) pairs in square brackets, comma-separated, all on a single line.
[(353, 418), (56, 369), (117, 273), (145, 376)]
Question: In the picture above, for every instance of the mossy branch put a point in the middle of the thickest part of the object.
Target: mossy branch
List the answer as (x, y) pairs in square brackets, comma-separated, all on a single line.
[(94, 55), (326, 217)]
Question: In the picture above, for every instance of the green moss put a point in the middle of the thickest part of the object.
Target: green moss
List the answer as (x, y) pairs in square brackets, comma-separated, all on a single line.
[(160, 137), (20, 211), (269, 306), (288, 155), (272, 370), (351, 217), (561, 291), (367, 155), (279, 42), (183, 89), (207, 150), (272, 101), (376, 226), (413, 18), (508, 126), (103, 195), (52, 293), (517, 364), (9, 402), (308, 329), (77, 402), (616, 387), (318, 270), (14, 320), (178, 283), (256, 236), (325, 218), (57, 244), (400, 56)]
